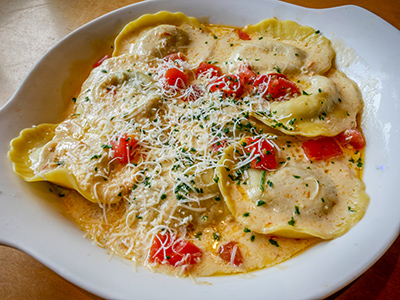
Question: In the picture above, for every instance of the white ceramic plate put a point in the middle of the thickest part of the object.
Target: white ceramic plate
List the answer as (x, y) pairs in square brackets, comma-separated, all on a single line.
[(32, 220)]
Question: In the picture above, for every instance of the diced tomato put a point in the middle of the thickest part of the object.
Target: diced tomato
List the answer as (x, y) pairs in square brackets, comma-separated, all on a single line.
[(230, 253), (246, 74), (168, 248), (124, 148), (229, 85), (175, 78), (100, 61), (192, 93), (205, 68), (243, 36), (175, 56), (321, 148), (265, 77), (352, 138), (275, 86), (265, 152)]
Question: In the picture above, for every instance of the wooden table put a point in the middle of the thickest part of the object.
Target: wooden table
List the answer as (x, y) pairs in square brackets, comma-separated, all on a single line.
[(27, 30)]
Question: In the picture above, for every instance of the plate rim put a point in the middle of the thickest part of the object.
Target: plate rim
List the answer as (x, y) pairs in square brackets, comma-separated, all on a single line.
[(11, 103)]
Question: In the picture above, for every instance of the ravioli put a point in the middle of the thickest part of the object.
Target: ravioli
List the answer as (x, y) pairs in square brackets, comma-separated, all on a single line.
[(297, 200), (153, 161), (315, 50), (331, 104), (143, 33)]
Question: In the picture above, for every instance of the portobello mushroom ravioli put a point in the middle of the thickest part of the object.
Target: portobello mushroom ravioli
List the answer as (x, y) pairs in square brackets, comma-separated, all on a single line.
[(198, 149)]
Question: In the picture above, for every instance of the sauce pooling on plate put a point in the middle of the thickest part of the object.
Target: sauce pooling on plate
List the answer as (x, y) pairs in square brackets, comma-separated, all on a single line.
[(201, 149)]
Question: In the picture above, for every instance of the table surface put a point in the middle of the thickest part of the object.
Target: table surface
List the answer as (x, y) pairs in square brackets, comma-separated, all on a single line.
[(28, 28)]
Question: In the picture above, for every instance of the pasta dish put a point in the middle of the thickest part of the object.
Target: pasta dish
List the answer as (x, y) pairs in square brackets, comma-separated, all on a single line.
[(199, 149)]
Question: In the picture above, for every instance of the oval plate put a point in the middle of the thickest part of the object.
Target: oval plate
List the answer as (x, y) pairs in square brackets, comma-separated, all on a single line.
[(32, 219)]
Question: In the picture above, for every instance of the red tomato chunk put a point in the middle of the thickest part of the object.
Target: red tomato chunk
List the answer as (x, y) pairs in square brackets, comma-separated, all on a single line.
[(265, 152), (321, 148), (168, 248), (243, 36), (175, 56), (275, 86), (246, 74), (175, 78), (206, 68), (124, 148), (230, 253), (229, 85), (352, 138), (192, 93), (100, 61)]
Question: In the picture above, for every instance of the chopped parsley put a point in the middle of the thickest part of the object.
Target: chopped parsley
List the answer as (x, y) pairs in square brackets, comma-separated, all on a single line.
[(350, 209), (273, 242), (262, 180), (60, 191), (277, 69), (359, 163), (261, 202)]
